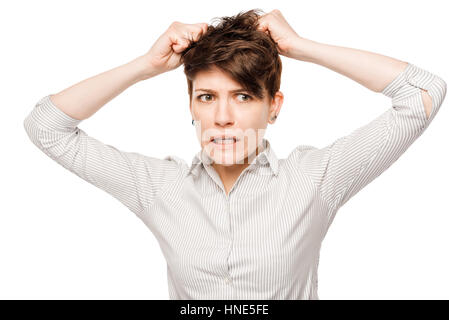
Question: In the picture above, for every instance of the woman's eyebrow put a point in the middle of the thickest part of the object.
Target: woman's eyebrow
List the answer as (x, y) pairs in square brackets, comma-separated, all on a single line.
[(213, 91)]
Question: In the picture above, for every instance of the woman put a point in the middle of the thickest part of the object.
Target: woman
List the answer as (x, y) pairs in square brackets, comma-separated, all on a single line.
[(239, 223)]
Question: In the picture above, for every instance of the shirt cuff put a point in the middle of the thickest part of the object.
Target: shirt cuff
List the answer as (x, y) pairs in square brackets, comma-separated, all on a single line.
[(412, 75), (51, 117)]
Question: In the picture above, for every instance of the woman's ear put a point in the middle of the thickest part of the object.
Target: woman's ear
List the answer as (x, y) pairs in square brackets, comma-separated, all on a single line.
[(275, 106)]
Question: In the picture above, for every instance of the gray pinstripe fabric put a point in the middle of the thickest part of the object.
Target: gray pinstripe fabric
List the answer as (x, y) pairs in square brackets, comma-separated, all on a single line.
[(262, 241)]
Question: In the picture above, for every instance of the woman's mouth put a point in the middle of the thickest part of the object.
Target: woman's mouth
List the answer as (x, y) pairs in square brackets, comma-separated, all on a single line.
[(224, 142)]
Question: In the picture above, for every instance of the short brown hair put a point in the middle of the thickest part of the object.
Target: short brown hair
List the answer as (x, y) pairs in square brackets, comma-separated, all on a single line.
[(236, 47)]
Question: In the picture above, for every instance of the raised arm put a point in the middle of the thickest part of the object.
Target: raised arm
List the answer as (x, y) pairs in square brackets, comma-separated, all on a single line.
[(52, 126), (372, 70), (349, 163), (85, 98), (132, 178)]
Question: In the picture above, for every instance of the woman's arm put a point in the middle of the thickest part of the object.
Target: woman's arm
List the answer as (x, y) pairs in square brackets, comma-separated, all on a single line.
[(52, 125), (134, 179), (83, 99), (346, 165), (372, 70)]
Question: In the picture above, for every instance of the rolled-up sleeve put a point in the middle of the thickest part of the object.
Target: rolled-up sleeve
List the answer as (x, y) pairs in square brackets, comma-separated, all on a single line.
[(132, 178), (344, 167)]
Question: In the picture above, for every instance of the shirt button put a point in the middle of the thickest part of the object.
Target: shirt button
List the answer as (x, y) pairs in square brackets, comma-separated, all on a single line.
[(228, 279)]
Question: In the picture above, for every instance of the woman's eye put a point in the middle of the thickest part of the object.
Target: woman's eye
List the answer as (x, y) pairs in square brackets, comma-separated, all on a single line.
[(199, 97), (247, 96)]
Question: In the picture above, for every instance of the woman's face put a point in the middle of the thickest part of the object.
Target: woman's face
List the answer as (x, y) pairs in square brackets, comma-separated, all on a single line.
[(220, 107)]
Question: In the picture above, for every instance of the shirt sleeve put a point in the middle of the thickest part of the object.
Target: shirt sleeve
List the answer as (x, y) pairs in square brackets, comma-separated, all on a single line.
[(344, 167), (132, 178)]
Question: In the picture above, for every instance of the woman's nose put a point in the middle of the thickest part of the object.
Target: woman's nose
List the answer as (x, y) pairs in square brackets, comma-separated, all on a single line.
[(224, 116)]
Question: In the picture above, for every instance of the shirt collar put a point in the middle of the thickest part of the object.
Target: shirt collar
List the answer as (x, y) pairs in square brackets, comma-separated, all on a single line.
[(267, 156)]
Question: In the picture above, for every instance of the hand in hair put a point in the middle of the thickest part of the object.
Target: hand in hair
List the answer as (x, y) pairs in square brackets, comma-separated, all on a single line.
[(165, 54), (275, 25)]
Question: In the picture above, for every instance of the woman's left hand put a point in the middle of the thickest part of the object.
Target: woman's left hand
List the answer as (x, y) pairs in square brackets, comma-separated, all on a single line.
[(275, 25)]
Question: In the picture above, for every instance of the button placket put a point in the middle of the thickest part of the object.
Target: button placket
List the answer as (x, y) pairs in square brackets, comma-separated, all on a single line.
[(227, 277)]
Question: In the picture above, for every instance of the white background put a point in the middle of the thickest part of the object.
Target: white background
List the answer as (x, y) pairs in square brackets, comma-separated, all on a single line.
[(62, 238)]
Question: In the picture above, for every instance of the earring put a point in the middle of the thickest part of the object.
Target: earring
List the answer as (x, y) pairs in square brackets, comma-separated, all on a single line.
[(192, 122), (272, 118)]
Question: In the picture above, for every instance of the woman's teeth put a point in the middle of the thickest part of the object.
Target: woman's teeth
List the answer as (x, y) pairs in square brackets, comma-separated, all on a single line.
[(224, 141)]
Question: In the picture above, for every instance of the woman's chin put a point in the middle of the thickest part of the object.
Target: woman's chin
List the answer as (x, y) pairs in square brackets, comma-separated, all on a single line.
[(225, 155), (227, 158)]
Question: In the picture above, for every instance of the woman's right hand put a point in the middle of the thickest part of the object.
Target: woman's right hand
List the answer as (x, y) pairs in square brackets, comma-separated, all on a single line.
[(165, 54)]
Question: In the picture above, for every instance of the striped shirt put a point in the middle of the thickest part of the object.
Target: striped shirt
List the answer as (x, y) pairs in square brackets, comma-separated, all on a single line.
[(263, 239)]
